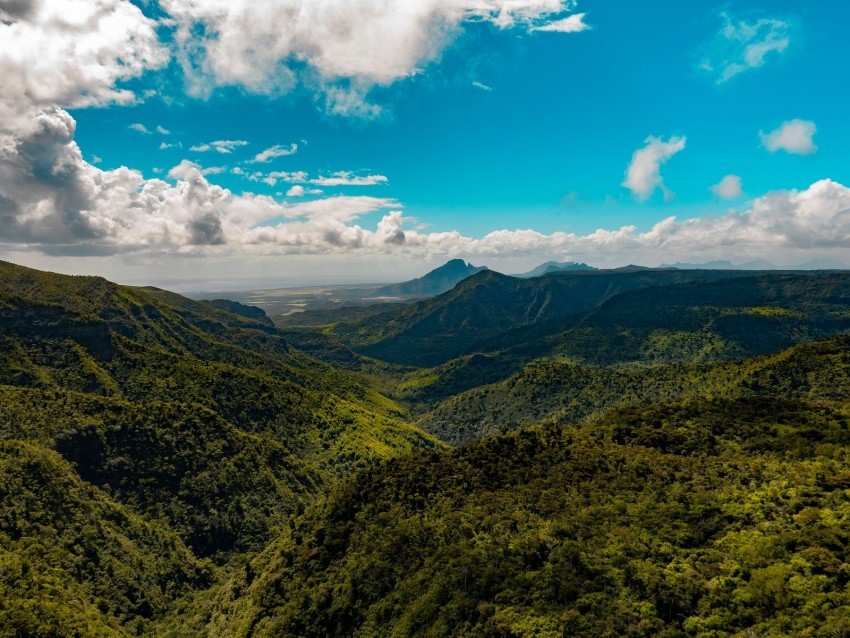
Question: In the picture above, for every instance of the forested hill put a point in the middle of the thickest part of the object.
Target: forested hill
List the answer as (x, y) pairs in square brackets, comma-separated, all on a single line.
[(489, 304), (632, 453), (144, 432), (707, 518)]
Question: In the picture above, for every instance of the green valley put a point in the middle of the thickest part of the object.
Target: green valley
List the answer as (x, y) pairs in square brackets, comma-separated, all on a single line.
[(584, 453)]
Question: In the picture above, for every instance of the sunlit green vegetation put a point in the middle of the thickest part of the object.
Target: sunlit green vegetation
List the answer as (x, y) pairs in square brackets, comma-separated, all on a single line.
[(709, 518), (642, 453)]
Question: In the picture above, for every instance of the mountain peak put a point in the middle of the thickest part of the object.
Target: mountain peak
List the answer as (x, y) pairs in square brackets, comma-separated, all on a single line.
[(437, 281), (554, 266)]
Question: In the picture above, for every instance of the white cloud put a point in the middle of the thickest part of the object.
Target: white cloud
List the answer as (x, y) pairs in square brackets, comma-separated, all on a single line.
[(292, 177), (96, 159), (71, 53), (320, 42), (220, 146), (139, 128), (52, 200), (643, 175), (740, 46), (347, 178), (571, 24), (728, 188), (55, 202), (783, 225), (482, 86), (793, 137), (162, 130), (300, 191), (278, 150)]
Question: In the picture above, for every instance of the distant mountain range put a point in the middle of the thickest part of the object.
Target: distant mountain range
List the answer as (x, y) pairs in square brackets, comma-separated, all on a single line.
[(454, 271), (435, 282), (481, 307), (554, 266), (760, 264), (451, 273)]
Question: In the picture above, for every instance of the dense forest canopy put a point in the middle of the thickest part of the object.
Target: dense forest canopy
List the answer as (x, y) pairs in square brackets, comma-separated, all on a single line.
[(588, 453)]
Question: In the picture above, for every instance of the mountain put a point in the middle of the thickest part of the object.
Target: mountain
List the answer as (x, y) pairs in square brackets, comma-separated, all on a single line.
[(554, 266), (433, 331), (147, 439), (723, 264), (588, 441), (822, 264), (565, 391), (761, 264), (435, 282)]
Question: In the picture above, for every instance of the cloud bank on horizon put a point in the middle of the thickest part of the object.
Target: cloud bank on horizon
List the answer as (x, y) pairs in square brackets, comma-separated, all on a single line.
[(58, 55)]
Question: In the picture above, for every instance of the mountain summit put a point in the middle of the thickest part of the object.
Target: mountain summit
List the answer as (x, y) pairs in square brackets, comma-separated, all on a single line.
[(435, 282), (554, 266)]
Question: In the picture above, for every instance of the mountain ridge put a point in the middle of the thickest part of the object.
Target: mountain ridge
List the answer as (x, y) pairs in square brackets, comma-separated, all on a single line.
[(436, 281)]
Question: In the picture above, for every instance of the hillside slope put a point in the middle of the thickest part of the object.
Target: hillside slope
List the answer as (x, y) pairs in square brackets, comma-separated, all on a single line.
[(705, 518), (565, 392), (488, 304), (163, 416)]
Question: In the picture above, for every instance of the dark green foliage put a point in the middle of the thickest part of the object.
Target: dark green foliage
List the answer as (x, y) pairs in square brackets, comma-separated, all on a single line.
[(161, 461), (702, 519), (565, 392), (76, 562), (332, 315), (195, 419), (487, 305)]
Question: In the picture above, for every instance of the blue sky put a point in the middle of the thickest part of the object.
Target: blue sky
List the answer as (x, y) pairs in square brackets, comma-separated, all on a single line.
[(467, 123)]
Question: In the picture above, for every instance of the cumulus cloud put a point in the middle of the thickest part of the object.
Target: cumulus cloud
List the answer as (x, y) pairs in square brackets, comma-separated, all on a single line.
[(278, 150), (300, 191), (571, 24), (291, 177), (347, 178), (55, 202), (728, 188), (139, 128), (643, 175), (784, 224), (77, 54), (220, 146), (162, 130), (321, 42), (52, 197), (741, 45), (52, 200), (793, 137)]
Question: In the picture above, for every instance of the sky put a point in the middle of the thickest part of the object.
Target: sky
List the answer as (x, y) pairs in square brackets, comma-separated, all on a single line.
[(229, 142)]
